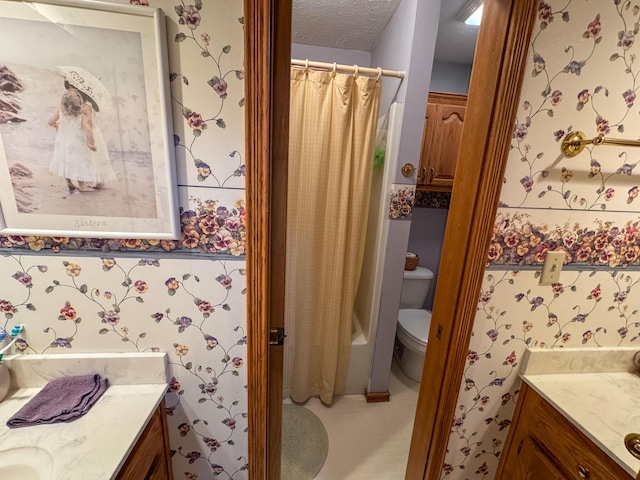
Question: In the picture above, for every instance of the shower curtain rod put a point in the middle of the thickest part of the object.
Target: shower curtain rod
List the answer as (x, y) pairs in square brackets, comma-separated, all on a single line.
[(347, 68)]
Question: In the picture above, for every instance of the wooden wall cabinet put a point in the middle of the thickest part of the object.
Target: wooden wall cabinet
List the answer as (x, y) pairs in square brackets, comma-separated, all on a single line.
[(441, 140), (150, 458), (543, 445)]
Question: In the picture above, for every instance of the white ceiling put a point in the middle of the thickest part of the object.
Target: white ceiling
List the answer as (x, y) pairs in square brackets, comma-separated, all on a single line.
[(357, 25)]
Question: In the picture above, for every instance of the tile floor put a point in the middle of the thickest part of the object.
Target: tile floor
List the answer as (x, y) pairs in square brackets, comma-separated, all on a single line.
[(369, 440)]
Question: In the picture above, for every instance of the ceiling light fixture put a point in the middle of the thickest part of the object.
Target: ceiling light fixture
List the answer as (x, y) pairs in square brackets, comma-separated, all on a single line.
[(471, 13)]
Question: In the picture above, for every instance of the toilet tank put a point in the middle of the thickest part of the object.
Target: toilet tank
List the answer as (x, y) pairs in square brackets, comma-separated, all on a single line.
[(415, 287)]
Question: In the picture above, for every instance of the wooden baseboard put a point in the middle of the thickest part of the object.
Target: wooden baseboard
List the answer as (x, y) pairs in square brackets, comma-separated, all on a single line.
[(374, 397)]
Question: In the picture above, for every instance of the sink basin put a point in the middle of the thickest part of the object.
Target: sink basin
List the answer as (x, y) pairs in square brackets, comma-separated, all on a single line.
[(25, 463)]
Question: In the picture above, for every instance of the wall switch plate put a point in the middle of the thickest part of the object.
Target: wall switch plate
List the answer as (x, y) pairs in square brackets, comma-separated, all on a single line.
[(552, 267)]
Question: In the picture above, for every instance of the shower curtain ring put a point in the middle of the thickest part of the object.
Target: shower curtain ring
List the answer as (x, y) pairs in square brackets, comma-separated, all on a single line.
[(379, 74), (306, 64), (357, 72), (335, 68)]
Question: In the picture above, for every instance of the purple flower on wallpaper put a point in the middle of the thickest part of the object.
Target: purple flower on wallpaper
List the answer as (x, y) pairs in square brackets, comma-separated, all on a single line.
[(233, 224), (237, 362), (629, 97), (544, 12), (217, 469), (626, 39), (484, 399), (620, 296), (519, 297), (225, 281), (626, 169), (219, 85), (465, 451), (208, 388), (520, 132), (157, 317), (212, 443), (24, 278), (61, 342), (492, 334), (192, 456), (21, 345), (188, 217), (183, 323), (556, 97), (111, 317), (190, 16), (622, 331), (527, 183), (558, 135), (174, 385), (552, 318), (595, 168), (536, 302), (581, 318), (602, 126), (574, 67), (485, 297), (593, 29), (222, 213), (212, 342), (497, 382), (229, 422), (583, 96)]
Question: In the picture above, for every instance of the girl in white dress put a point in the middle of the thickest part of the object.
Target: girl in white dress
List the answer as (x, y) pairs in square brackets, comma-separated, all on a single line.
[(80, 152)]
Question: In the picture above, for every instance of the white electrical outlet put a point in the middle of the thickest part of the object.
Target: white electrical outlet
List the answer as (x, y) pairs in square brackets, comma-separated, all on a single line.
[(552, 267)]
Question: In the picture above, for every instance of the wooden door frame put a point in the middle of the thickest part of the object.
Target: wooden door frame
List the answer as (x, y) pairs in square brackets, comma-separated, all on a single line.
[(494, 93), (493, 97), (267, 44)]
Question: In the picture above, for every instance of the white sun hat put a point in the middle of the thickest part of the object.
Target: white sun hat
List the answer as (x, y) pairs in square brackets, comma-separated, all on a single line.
[(88, 84)]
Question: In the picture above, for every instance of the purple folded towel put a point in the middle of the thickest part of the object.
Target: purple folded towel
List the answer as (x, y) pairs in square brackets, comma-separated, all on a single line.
[(61, 400)]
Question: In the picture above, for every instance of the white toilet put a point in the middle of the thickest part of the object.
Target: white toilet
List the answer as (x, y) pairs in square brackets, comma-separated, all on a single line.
[(413, 322)]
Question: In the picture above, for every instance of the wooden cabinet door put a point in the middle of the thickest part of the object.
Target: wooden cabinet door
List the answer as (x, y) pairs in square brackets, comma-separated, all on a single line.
[(441, 140), (445, 145), (537, 464)]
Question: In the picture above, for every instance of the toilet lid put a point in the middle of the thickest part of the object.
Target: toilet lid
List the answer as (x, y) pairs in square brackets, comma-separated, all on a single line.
[(416, 322)]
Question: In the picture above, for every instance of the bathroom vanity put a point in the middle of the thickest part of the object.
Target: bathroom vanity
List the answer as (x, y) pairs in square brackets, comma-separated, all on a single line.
[(572, 425), (124, 435)]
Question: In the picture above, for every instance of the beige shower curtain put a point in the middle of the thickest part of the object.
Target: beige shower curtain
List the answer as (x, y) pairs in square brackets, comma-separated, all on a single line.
[(332, 134)]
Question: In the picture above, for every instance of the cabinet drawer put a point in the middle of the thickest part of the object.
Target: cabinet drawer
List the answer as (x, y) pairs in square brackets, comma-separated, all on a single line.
[(573, 452)]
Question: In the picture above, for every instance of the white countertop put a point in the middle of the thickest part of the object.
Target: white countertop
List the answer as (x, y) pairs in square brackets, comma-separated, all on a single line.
[(96, 445), (604, 406)]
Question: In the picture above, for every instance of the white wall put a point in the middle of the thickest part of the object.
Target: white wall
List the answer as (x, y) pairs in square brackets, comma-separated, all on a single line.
[(329, 54), (450, 77), (408, 43)]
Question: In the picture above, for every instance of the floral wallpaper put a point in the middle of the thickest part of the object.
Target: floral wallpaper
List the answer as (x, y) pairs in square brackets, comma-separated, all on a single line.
[(90, 295), (581, 75), (207, 92), (193, 310), (401, 202), (429, 199)]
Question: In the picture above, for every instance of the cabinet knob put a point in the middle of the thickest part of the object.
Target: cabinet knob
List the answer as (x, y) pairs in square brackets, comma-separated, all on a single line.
[(583, 472)]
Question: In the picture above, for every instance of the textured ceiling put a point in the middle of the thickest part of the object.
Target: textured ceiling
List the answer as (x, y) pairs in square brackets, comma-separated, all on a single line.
[(357, 25), (348, 24)]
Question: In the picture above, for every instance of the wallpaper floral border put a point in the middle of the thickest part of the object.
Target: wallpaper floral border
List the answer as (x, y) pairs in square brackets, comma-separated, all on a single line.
[(582, 75), (401, 202), (208, 114), (428, 199)]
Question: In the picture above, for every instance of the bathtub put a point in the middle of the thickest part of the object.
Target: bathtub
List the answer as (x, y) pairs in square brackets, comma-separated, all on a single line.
[(360, 361)]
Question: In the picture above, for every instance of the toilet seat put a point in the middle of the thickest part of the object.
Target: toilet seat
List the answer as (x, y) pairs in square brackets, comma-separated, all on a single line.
[(413, 328)]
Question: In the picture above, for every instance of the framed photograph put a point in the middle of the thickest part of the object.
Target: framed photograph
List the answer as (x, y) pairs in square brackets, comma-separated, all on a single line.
[(86, 144)]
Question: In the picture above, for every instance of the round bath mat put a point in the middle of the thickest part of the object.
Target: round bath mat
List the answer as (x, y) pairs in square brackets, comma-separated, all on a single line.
[(304, 443)]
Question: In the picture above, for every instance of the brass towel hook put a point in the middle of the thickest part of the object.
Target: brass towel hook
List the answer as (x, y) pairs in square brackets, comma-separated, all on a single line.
[(574, 143)]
